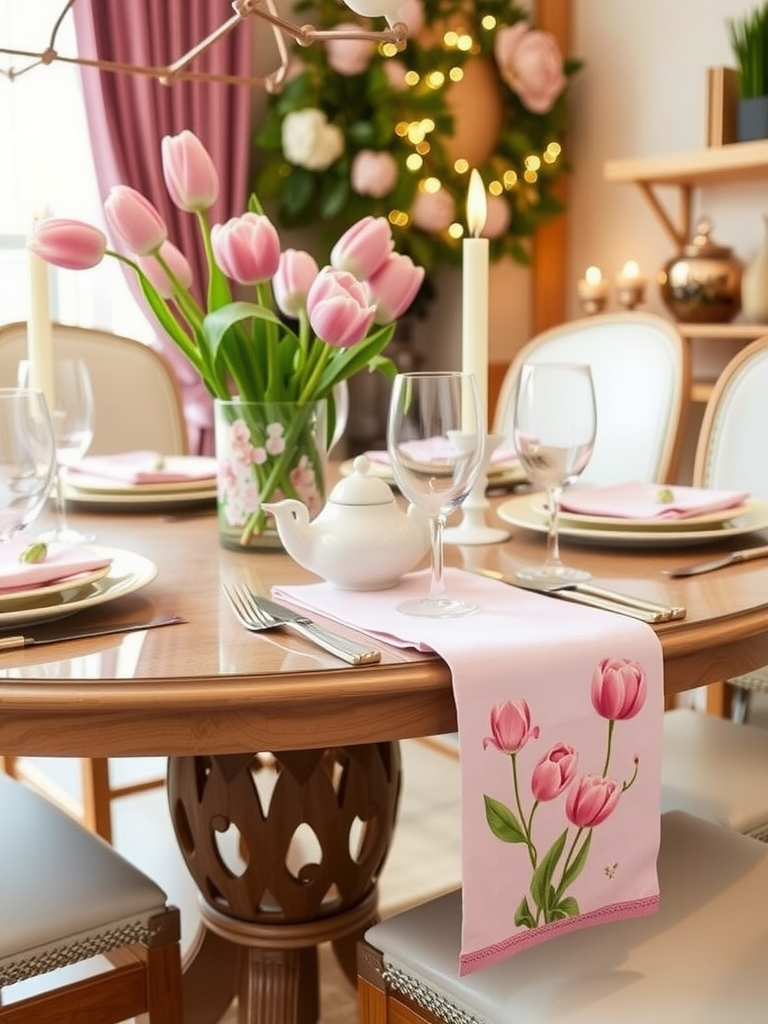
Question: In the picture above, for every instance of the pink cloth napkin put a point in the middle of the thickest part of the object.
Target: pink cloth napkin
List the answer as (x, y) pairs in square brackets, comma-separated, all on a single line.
[(61, 561), (546, 776), (641, 501), (144, 467), (436, 448)]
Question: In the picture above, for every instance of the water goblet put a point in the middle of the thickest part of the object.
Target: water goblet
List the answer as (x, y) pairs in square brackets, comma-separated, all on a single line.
[(72, 416), (435, 439), (27, 458), (554, 433)]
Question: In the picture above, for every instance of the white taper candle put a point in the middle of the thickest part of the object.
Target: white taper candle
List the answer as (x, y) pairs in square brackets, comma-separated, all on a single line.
[(474, 309)]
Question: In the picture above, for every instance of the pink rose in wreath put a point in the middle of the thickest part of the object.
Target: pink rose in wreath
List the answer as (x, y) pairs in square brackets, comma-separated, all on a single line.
[(531, 64)]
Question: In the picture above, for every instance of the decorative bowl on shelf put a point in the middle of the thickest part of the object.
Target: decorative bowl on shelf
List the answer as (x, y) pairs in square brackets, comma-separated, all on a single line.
[(703, 283)]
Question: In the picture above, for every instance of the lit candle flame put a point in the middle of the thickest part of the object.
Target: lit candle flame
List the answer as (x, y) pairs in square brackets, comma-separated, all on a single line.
[(593, 275), (477, 204)]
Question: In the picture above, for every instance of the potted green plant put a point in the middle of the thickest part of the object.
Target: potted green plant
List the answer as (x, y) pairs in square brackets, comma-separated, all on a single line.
[(749, 40)]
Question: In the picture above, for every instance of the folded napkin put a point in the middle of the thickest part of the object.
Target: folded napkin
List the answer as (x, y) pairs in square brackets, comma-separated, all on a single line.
[(649, 501), (61, 561), (145, 467), (437, 448), (560, 714)]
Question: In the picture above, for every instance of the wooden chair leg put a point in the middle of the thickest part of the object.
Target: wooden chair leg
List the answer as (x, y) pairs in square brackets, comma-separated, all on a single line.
[(96, 792), (719, 700)]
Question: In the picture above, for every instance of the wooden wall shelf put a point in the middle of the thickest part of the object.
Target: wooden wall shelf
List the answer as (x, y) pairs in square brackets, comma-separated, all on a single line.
[(702, 389), (740, 161)]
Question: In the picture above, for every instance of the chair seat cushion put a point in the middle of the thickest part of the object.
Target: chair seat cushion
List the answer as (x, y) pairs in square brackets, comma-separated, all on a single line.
[(715, 769), (699, 960), (57, 880)]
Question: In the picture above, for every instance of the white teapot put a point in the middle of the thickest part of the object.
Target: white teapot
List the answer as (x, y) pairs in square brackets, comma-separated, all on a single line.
[(361, 540)]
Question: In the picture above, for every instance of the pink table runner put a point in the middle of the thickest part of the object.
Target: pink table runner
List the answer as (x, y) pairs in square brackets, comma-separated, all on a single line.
[(560, 713)]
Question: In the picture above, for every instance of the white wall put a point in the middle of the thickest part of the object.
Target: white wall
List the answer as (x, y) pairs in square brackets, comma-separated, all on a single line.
[(642, 93)]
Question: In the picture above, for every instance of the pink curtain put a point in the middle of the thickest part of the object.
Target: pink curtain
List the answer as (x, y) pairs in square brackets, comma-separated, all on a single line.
[(129, 114)]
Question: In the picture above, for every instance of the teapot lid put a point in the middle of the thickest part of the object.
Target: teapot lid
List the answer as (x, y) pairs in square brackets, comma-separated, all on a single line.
[(361, 489)]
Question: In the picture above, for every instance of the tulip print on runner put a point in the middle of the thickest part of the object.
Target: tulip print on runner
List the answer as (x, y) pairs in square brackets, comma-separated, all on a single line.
[(618, 693)]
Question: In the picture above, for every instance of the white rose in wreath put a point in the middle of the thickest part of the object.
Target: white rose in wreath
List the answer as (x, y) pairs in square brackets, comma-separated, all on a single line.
[(310, 141)]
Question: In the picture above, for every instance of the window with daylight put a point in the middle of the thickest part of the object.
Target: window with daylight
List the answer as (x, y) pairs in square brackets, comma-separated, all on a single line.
[(46, 169)]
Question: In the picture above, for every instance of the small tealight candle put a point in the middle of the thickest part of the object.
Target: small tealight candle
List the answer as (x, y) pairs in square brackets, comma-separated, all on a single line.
[(593, 290), (630, 286)]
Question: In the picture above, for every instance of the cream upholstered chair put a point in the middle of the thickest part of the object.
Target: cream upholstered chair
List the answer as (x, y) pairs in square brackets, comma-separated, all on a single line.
[(137, 405), (730, 454), (641, 371), (66, 897), (137, 398), (699, 960)]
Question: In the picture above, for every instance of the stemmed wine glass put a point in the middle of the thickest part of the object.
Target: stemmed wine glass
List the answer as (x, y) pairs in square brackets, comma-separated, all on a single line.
[(435, 442), (27, 458), (72, 416), (554, 432)]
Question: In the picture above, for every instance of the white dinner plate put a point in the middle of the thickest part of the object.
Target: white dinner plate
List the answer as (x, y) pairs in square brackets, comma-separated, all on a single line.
[(139, 499), (521, 511), (10, 600), (502, 473), (127, 572), (173, 463), (686, 524)]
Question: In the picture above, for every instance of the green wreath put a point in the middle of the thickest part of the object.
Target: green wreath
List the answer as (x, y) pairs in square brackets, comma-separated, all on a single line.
[(406, 120)]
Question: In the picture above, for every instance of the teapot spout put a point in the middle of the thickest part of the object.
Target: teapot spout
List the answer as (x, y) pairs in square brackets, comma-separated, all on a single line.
[(293, 527)]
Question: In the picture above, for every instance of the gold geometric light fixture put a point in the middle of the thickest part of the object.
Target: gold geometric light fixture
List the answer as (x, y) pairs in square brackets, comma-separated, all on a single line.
[(179, 70)]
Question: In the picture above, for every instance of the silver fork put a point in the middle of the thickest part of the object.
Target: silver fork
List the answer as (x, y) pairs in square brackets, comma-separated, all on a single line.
[(257, 619)]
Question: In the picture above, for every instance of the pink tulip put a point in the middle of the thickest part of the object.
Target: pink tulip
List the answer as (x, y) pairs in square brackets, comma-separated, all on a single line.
[(393, 287), (71, 244), (158, 278), (591, 800), (363, 248), (135, 220), (190, 177), (373, 174), (510, 726), (619, 688), (247, 248), (349, 56), (338, 308), (554, 771), (531, 64), (295, 274), (433, 211)]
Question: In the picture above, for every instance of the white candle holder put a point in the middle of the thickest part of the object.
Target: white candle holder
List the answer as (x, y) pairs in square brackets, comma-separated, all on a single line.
[(473, 528)]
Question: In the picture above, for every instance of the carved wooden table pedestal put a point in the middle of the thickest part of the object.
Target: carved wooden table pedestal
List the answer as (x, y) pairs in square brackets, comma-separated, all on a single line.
[(286, 849)]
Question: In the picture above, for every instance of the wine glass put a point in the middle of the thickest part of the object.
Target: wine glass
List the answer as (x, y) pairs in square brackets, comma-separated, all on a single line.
[(435, 441), (27, 458), (72, 416), (554, 433)]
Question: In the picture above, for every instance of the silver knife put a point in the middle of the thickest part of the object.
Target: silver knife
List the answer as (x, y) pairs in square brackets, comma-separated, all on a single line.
[(348, 650), (745, 555), (596, 597), (14, 643)]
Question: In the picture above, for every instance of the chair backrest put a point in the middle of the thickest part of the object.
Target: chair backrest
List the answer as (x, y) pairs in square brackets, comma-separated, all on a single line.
[(730, 452), (137, 398), (641, 372)]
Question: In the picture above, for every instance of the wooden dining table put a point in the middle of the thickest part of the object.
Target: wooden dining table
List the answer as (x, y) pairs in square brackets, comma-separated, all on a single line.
[(293, 750)]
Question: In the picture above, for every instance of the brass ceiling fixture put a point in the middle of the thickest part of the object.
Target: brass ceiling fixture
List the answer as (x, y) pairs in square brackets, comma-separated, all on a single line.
[(305, 35)]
